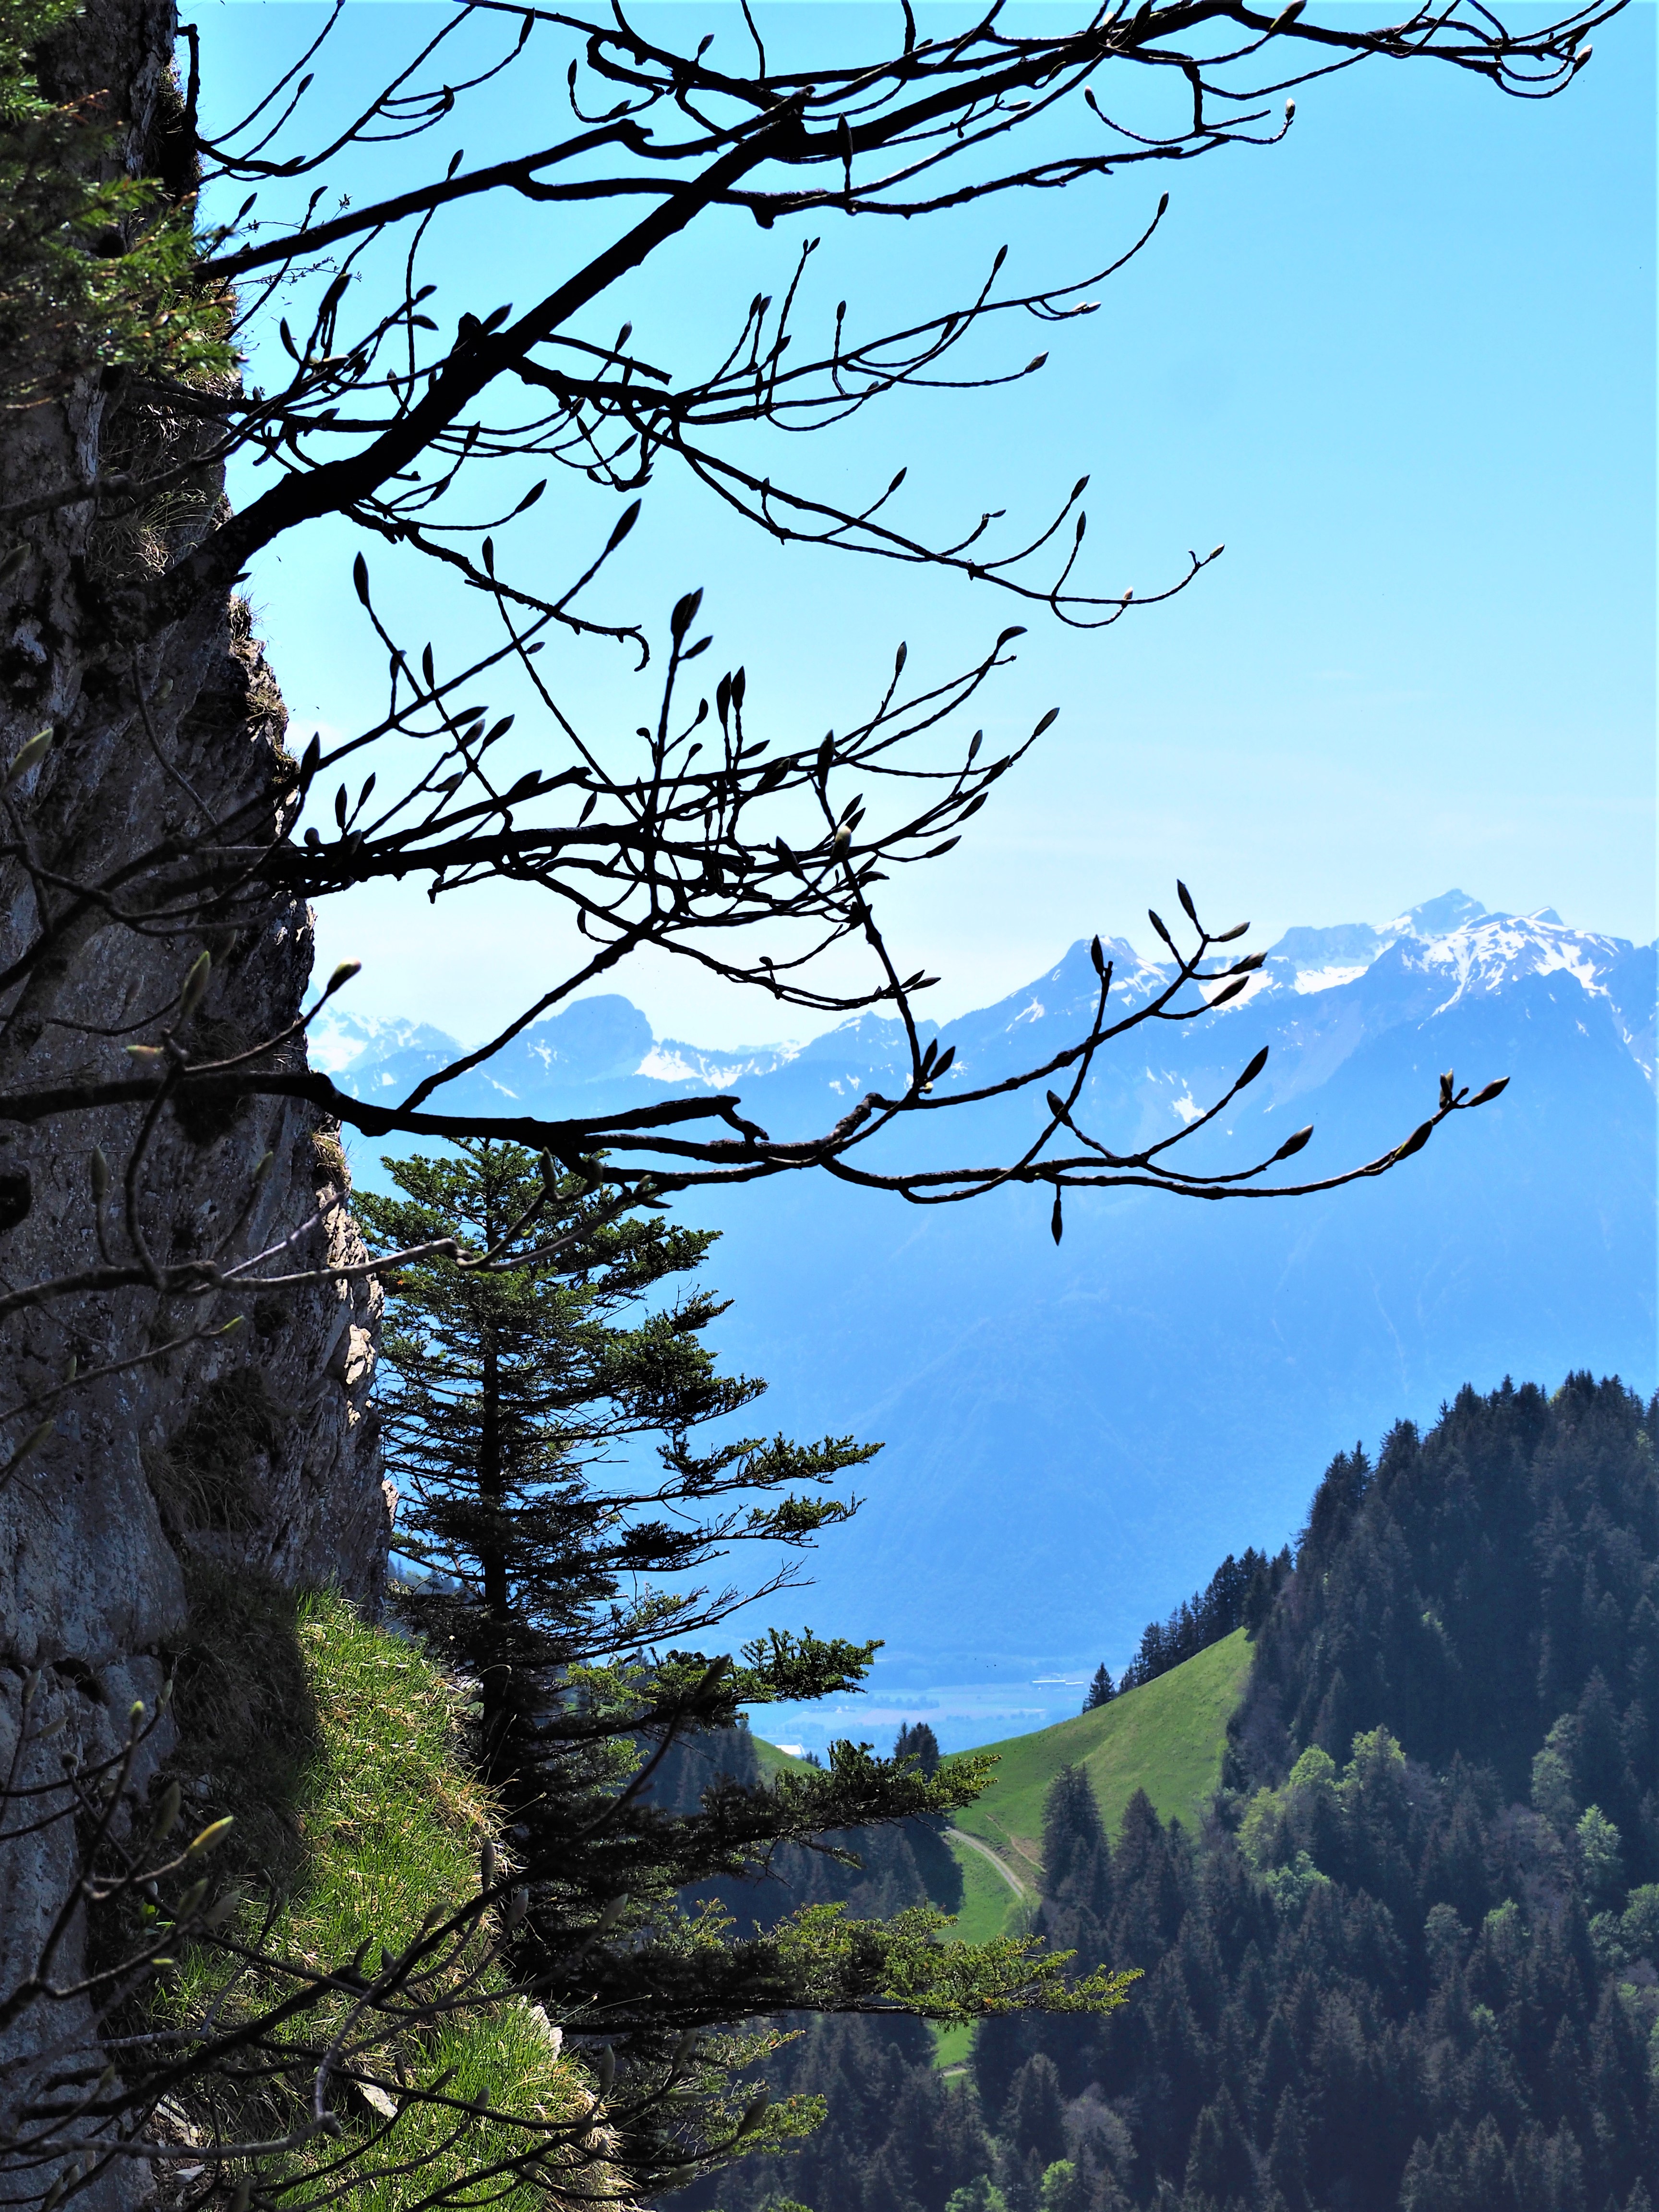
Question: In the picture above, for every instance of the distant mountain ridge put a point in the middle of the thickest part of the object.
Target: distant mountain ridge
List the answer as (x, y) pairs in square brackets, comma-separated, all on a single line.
[(1075, 1437), (1424, 961)]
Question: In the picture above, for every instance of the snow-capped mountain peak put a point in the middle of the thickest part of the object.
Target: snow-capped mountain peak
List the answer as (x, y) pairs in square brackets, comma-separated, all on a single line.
[(1435, 917), (672, 1061), (1491, 951), (338, 1039), (1320, 994)]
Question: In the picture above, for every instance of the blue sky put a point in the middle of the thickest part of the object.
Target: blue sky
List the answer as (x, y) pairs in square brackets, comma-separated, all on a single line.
[(1403, 364)]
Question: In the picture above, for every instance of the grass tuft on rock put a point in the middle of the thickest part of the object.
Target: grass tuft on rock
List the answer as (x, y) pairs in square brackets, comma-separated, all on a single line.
[(334, 1745)]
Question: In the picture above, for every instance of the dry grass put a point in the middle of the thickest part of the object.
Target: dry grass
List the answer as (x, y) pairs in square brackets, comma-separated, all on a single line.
[(204, 1477)]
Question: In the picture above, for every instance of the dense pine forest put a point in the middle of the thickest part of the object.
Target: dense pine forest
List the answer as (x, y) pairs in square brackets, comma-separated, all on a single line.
[(1409, 1962)]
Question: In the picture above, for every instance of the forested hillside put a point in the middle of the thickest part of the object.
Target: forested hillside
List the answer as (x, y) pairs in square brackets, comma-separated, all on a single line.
[(1408, 1961)]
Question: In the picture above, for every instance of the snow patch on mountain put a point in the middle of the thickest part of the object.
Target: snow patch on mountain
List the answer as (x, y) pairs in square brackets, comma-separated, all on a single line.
[(671, 1060), (338, 1039), (1499, 950), (1309, 980)]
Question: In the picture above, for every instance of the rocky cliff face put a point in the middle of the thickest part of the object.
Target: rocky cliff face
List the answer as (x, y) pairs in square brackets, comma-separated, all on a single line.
[(255, 1450)]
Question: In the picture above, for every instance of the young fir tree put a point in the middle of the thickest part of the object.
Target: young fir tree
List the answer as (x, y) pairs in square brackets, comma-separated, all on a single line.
[(915, 1739), (517, 1401), (1100, 1690), (547, 1423)]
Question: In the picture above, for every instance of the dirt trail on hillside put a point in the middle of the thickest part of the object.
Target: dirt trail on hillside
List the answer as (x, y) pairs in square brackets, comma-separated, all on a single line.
[(960, 1835)]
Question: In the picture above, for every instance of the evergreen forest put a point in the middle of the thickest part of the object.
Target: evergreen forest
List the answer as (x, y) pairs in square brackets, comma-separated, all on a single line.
[(1408, 1960)]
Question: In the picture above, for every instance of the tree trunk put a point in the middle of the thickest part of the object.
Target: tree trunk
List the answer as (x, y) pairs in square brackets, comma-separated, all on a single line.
[(496, 1685)]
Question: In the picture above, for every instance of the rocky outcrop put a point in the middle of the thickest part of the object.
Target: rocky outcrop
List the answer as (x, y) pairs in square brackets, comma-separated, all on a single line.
[(254, 1448)]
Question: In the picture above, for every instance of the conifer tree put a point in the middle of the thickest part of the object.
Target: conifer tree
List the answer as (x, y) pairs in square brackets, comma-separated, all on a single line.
[(514, 1408), (917, 1740), (1218, 2165), (1076, 1858), (550, 1424), (1287, 2155), (928, 1841), (1033, 2119), (1101, 1692)]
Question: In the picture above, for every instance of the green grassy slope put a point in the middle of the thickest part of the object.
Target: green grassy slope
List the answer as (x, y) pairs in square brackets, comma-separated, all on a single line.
[(332, 1745), (990, 1906), (1165, 1738), (772, 1760), (987, 1895)]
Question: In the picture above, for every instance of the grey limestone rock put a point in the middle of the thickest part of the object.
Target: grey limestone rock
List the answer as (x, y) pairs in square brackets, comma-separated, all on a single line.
[(256, 1449)]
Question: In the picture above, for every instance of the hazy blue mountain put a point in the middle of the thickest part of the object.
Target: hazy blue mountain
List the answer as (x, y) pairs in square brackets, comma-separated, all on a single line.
[(1074, 1434)]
